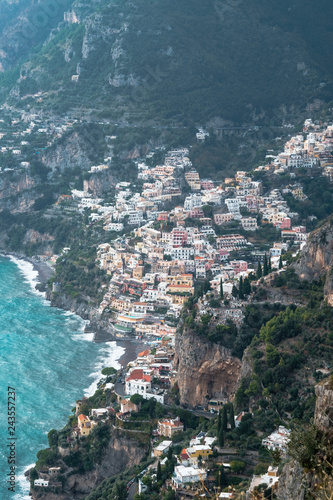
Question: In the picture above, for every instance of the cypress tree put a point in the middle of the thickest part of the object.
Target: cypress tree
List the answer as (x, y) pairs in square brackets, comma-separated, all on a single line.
[(280, 263), (221, 289), (240, 292), (265, 266), (246, 286), (219, 423), (159, 471), (221, 438), (269, 265), (234, 291), (232, 416), (225, 418), (259, 271)]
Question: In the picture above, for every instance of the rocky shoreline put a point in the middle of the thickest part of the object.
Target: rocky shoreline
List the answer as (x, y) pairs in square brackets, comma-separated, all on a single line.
[(45, 271)]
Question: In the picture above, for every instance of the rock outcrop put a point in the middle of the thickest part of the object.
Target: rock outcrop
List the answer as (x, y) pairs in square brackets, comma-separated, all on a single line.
[(121, 453), (18, 193), (317, 258), (99, 183), (86, 311), (295, 482), (72, 151), (204, 369), (324, 406)]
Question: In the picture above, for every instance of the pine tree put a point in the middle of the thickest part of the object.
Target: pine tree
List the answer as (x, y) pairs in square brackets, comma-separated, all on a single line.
[(240, 292), (234, 291), (259, 271), (280, 263), (246, 286), (221, 289), (225, 418), (265, 266), (221, 438), (232, 416), (159, 472)]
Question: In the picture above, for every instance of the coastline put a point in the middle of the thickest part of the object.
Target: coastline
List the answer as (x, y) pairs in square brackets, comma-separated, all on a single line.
[(43, 270), (132, 347)]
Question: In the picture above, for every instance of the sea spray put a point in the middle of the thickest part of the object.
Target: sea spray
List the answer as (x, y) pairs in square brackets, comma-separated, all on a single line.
[(50, 361)]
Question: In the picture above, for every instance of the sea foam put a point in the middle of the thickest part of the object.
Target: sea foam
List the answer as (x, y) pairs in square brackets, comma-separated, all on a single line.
[(30, 274), (112, 353)]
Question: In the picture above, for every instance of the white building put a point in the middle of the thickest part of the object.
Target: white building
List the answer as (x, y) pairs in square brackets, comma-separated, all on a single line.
[(41, 482), (249, 223), (184, 475), (192, 201), (278, 440), (233, 205), (115, 226)]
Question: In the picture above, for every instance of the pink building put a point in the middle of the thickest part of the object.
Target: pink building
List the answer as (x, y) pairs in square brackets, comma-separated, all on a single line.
[(207, 185), (196, 213), (286, 223), (179, 237), (239, 266)]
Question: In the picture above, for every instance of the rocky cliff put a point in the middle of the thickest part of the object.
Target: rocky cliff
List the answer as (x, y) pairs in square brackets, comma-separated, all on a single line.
[(85, 311), (204, 369), (296, 483), (317, 258), (324, 406), (18, 193), (99, 183), (70, 152), (121, 453)]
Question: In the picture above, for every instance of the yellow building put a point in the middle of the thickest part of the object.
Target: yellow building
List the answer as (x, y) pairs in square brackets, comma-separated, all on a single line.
[(85, 425), (180, 279), (202, 450)]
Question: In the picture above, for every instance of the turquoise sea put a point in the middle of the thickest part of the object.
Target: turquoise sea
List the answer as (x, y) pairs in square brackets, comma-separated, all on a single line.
[(48, 360)]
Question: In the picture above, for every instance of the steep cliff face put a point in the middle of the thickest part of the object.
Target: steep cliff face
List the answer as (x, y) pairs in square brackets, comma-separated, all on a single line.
[(204, 369), (102, 327), (295, 482), (324, 406), (317, 258), (121, 453), (70, 153), (18, 194), (99, 184)]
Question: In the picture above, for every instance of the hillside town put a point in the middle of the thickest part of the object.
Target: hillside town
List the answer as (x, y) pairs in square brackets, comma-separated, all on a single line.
[(178, 238)]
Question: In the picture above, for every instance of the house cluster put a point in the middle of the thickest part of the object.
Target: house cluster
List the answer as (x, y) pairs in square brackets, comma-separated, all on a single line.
[(278, 440), (310, 149), (151, 374), (29, 132), (48, 478), (191, 461), (155, 268)]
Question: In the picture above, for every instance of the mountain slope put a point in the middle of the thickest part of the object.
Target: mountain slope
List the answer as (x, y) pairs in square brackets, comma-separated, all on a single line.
[(182, 60)]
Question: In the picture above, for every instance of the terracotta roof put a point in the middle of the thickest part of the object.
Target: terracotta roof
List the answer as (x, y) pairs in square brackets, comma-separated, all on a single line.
[(138, 375), (144, 353), (83, 417)]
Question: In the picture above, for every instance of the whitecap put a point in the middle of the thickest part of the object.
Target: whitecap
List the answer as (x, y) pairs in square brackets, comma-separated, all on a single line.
[(30, 274), (84, 336), (23, 484), (110, 356)]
